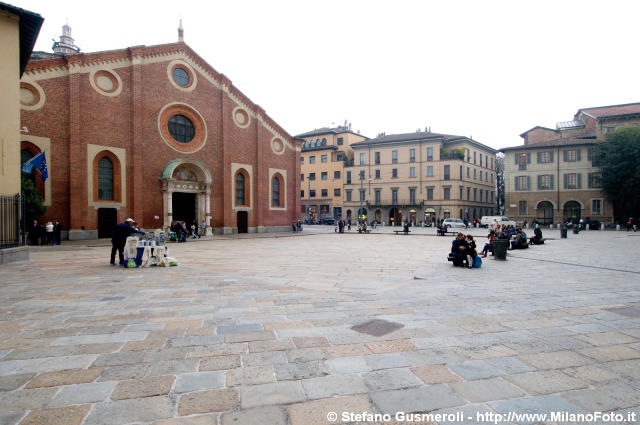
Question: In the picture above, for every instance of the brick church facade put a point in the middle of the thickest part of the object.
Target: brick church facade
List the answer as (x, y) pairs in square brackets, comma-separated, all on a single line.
[(154, 133)]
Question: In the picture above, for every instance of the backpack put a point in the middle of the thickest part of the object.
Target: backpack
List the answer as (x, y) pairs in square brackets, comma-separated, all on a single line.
[(477, 262)]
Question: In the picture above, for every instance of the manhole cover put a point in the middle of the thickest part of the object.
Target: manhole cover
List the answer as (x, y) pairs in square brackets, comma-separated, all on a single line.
[(626, 311), (377, 327)]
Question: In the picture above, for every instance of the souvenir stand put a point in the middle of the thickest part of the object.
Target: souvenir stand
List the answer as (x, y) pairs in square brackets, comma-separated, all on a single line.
[(148, 250)]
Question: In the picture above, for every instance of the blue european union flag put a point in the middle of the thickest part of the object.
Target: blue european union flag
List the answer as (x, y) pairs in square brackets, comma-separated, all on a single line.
[(40, 162)]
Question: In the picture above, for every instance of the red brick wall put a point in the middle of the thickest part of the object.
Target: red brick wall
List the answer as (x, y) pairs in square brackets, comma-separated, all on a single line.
[(75, 115)]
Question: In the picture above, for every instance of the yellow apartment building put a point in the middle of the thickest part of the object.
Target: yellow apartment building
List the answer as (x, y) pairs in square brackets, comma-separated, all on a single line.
[(325, 154)]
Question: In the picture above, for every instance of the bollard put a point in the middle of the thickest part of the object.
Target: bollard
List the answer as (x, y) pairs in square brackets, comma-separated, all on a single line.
[(618, 227)]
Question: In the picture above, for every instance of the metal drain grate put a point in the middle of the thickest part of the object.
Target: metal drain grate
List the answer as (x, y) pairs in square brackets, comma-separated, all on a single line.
[(377, 327)]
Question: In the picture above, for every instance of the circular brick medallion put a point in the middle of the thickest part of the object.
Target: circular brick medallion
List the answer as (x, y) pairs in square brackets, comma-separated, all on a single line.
[(106, 82), (277, 145), (31, 96), (241, 117)]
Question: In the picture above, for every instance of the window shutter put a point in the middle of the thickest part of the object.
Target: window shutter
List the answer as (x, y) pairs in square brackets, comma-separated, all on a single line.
[(539, 177), (550, 156), (579, 180), (578, 154), (589, 178), (589, 154), (566, 180), (551, 181), (565, 156), (528, 157), (516, 158), (539, 157), (528, 183), (517, 183)]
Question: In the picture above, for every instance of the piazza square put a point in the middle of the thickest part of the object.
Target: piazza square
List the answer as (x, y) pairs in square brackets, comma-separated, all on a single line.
[(289, 328)]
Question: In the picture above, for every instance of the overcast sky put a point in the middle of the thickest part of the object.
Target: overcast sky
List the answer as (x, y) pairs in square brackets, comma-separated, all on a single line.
[(487, 69)]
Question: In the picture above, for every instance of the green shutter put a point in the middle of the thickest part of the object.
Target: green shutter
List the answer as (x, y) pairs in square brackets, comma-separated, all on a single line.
[(565, 156), (528, 182), (550, 156), (539, 176), (517, 184), (516, 158), (589, 180), (566, 180), (578, 154), (579, 178), (528, 157), (539, 157), (551, 181)]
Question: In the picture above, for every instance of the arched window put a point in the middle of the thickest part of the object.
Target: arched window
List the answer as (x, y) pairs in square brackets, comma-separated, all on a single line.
[(105, 179), (324, 142), (240, 189), (275, 192)]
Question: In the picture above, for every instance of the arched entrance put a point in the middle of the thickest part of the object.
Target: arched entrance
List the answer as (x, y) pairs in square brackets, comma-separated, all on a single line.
[(395, 217), (572, 211), (186, 192), (429, 215), (362, 215), (544, 212), (378, 216), (412, 216)]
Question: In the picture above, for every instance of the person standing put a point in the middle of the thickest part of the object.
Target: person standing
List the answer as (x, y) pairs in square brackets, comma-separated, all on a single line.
[(57, 232), (203, 228), (120, 235), (50, 236), (34, 231)]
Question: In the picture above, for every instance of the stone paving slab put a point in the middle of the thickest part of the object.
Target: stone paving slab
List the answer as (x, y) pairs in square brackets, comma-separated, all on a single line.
[(226, 340)]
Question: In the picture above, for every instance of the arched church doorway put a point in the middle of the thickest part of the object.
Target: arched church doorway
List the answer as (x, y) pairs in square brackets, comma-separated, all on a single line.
[(186, 191)]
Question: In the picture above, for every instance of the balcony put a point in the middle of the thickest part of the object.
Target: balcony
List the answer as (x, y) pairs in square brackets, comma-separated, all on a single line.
[(402, 203)]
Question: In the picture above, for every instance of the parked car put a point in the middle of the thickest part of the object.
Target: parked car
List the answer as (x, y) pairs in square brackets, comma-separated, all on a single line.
[(593, 225), (453, 222), (488, 220), (329, 220)]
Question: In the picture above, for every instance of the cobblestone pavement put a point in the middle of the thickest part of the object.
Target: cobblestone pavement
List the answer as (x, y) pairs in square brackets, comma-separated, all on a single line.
[(258, 331)]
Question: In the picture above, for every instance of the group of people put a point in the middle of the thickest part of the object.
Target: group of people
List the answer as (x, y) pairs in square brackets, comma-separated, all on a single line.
[(119, 239), (296, 226), (341, 224), (48, 233), (463, 249), (183, 231)]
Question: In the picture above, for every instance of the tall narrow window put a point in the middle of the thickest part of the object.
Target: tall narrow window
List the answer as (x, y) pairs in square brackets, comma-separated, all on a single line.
[(412, 155), (105, 179), (429, 154), (394, 157), (447, 174), (240, 189), (275, 192)]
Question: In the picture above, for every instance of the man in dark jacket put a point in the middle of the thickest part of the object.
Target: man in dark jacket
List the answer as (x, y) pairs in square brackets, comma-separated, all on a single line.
[(120, 235), (460, 251)]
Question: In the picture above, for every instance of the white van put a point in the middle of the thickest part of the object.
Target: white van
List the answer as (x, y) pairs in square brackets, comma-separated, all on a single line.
[(487, 220)]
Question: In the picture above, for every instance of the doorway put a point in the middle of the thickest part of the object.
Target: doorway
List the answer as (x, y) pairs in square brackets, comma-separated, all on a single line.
[(243, 221), (184, 207), (107, 221)]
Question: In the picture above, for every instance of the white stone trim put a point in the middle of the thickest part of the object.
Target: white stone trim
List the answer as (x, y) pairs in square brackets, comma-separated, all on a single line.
[(42, 100), (193, 75), (249, 169), (114, 93), (235, 121), (44, 144), (37, 75), (283, 189)]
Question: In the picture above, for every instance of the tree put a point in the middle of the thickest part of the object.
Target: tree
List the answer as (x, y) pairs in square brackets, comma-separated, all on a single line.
[(33, 203), (618, 160)]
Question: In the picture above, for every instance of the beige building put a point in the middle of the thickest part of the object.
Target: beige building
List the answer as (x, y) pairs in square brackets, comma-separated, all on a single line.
[(18, 32), (420, 177), (554, 176), (325, 154)]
